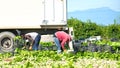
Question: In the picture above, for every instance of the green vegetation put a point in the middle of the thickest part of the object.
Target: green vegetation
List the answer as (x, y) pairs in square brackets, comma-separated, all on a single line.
[(88, 28), (50, 59), (46, 43)]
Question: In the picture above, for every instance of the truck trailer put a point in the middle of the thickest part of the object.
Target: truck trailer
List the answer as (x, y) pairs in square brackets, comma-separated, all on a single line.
[(23, 16)]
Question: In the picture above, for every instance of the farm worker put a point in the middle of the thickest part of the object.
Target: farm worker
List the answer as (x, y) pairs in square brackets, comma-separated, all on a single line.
[(34, 39), (61, 38)]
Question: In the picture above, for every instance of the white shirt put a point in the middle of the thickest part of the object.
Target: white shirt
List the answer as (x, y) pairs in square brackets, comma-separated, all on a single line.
[(32, 34)]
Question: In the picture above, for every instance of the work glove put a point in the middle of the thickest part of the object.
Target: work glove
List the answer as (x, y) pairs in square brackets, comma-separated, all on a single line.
[(65, 50), (30, 48)]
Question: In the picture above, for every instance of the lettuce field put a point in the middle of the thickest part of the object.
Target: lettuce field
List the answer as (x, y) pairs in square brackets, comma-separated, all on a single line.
[(50, 59), (47, 57)]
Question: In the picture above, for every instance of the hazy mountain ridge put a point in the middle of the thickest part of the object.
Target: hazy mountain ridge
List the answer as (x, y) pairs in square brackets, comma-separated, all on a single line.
[(99, 15)]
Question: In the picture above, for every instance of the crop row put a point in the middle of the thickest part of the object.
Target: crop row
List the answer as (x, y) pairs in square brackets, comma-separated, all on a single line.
[(50, 59)]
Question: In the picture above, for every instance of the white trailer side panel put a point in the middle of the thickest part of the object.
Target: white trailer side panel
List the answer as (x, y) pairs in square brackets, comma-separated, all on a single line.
[(32, 13)]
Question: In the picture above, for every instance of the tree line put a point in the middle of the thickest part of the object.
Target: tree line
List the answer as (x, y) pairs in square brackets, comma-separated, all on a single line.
[(89, 28)]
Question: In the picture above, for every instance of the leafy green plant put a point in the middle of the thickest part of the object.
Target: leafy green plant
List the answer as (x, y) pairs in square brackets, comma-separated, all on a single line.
[(26, 59), (46, 43)]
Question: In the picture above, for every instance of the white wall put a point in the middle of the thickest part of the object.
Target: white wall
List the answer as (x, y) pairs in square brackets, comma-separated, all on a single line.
[(19, 13)]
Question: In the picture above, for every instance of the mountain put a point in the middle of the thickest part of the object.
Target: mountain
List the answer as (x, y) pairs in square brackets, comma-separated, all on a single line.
[(103, 16)]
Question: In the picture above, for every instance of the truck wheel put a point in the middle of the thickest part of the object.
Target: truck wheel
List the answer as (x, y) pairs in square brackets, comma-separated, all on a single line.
[(6, 42)]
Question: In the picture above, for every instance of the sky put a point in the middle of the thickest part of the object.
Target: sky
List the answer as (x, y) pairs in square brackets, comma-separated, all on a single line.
[(75, 5)]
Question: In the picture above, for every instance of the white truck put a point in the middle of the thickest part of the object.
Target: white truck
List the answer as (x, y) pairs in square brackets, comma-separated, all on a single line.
[(22, 16)]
